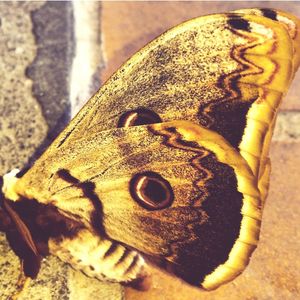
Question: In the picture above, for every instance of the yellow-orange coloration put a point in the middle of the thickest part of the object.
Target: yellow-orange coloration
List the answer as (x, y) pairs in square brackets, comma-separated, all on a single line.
[(216, 83)]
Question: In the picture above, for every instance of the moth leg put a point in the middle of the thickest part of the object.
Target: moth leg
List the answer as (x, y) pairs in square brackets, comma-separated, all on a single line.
[(22, 284)]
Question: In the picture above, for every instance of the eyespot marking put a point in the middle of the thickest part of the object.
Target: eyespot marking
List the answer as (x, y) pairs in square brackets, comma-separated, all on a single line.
[(269, 13), (151, 191), (140, 116), (239, 23)]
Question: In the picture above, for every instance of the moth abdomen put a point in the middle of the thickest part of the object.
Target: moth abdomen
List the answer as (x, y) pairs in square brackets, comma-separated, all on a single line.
[(106, 259)]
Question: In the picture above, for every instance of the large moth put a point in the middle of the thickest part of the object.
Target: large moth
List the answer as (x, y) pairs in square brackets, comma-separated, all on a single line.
[(167, 162)]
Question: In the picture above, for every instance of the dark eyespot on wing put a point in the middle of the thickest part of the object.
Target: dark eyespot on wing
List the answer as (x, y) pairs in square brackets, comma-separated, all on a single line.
[(151, 190), (237, 22), (269, 13), (140, 116)]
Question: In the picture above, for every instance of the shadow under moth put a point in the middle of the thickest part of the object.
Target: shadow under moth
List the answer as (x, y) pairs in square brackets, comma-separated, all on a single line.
[(167, 162)]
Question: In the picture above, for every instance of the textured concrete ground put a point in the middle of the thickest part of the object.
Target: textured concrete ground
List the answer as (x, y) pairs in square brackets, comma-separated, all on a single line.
[(37, 49), (49, 66)]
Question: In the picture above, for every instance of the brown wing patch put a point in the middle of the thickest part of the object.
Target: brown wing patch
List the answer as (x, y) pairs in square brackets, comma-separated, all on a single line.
[(210, 236)]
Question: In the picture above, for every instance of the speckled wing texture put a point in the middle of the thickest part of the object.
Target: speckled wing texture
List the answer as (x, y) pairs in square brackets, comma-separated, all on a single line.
[(170, 157), (224, 72)]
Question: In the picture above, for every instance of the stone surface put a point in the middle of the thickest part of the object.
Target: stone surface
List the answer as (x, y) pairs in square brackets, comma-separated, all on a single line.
[(37, 49), (88, 59), (83, 287), (22, 125), (287, 126), (50, 71), (51, 283), (23, 129), (9, 269)]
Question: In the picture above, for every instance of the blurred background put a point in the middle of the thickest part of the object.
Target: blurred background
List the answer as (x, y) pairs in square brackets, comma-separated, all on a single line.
[(53, 57)]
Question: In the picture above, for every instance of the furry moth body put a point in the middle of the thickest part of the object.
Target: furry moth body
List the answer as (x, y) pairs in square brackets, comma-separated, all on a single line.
[(168, 161)]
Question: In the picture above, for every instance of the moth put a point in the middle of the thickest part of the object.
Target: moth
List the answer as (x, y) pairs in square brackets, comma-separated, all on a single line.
[(167, 162)]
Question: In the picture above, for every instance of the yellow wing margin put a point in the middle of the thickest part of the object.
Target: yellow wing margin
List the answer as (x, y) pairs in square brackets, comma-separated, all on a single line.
[(246, 243), (292, 25), (273, 60)]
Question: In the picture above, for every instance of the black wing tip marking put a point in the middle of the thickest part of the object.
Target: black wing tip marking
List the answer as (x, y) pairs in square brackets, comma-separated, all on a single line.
[(238, 22), (269, 13)]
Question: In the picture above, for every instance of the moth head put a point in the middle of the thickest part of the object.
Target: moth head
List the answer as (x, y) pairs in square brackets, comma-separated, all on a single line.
[(17, 232), (29, 224)]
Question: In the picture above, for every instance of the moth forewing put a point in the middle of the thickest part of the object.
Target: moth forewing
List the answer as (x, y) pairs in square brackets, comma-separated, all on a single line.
[(291, 23), (185, 66)]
